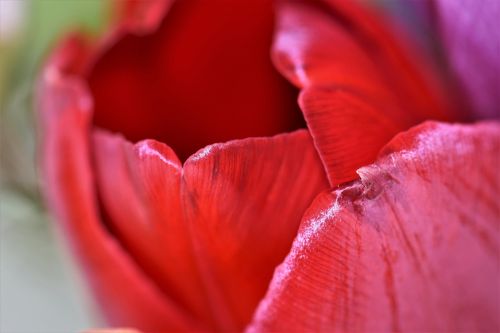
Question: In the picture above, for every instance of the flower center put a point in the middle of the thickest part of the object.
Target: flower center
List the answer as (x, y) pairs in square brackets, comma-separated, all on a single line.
[(204, 76)]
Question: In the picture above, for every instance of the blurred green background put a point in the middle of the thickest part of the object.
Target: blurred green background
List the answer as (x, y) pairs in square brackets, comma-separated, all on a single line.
[(39, 289)]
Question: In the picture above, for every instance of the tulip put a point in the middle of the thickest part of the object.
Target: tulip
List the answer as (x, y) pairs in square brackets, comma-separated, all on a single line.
[(195, 197)]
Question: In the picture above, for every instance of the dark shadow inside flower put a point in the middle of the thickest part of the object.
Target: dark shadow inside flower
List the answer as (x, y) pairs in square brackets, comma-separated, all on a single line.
[(204, 76)]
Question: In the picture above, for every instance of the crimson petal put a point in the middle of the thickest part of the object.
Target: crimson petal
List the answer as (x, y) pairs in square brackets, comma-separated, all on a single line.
[(203, 76), (358, 84), (210, 233), (412, 246), (140, 16), (126, 295)]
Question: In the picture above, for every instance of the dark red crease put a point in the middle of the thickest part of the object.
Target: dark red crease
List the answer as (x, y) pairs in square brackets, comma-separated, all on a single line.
[(204, 76)]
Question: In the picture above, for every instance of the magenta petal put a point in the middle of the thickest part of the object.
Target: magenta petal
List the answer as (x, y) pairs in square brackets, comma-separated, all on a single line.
[(413, 246), (470, 32)]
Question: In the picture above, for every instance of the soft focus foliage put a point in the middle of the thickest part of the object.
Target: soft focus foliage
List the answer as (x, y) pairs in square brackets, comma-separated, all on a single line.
[(34, 283)]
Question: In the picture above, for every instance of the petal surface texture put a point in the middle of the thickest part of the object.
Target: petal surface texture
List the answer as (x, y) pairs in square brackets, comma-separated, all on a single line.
[(166, 246), (204, 76), (127, 297), (209, 233), (359, 85), (413, 246), (472, 41)]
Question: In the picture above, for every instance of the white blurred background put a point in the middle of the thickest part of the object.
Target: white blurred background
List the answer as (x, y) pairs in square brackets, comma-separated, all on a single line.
[(39, 288)]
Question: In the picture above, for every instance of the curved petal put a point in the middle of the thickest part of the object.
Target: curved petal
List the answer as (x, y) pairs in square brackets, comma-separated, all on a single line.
[(212, 232), (203, 76), (412, 246), (472, 42), (331, 52), (126, 296), (251, 197)]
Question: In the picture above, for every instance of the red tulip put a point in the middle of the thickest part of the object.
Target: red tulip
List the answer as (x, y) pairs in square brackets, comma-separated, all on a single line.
[(339, 226)]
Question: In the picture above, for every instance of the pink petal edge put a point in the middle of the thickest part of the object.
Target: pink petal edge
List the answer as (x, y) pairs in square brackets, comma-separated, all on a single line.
[(412, 246)]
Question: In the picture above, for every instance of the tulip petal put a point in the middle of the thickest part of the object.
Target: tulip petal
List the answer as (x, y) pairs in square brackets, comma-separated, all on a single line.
[(126, 296), (209, 233), (203, 76), (140, 16), (414, 245), (358, 84), (470, 33)]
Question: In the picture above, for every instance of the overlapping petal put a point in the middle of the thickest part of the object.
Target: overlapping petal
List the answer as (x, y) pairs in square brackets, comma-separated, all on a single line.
[(126, 295), (166, 246), (360, 86), (178, 247), (210, 232), (412, 246)]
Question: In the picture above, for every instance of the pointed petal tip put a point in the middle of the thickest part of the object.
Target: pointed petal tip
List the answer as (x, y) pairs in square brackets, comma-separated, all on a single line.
[(229, 191), (360, 88), (300, 134)]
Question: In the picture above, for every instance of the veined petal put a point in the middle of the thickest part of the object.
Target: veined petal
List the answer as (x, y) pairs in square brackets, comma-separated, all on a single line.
[(126, 295), (340, 53), (139, 190), (412, 246), (209, 233)]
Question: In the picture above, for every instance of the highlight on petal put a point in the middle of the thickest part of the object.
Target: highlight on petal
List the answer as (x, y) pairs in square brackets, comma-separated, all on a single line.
[(470, 34), (358, 84), (204, 76), (209, 233), (412, 246), (140, 16), (125, 294)]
